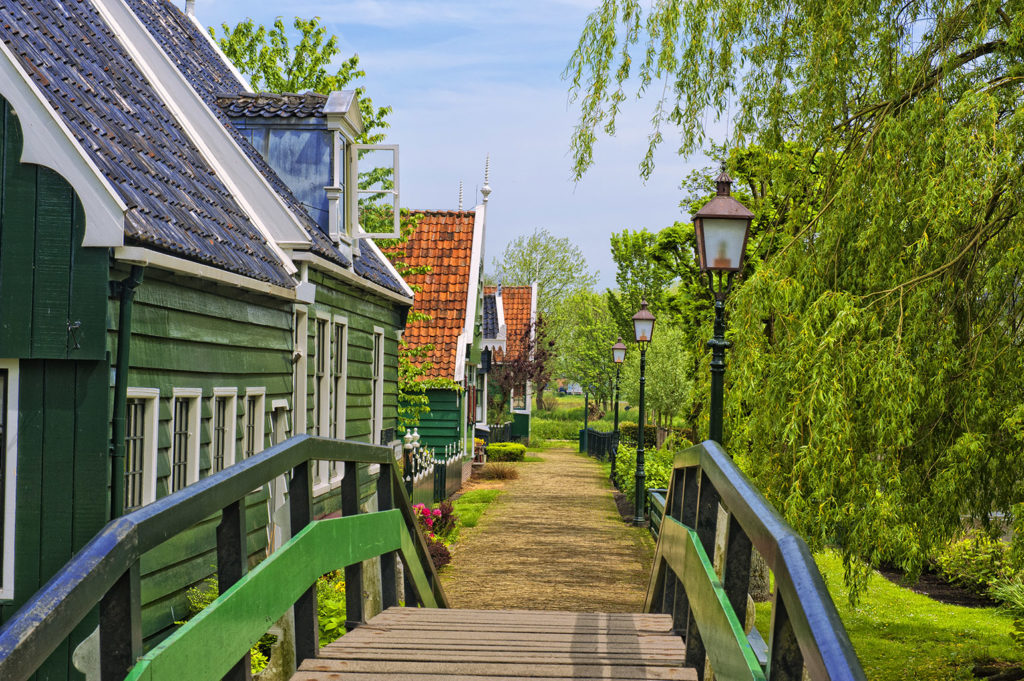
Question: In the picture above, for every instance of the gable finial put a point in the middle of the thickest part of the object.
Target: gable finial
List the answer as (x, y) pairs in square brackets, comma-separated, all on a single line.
[(460, 194), (486, 190)]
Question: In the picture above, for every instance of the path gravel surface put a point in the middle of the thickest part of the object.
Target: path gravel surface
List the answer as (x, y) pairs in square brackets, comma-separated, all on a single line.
[(553, 540)]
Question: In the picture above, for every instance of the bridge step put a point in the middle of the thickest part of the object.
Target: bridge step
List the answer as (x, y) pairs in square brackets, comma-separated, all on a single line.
[(426, 644)]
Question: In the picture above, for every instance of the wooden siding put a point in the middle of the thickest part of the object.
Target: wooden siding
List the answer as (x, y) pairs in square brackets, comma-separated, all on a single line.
[(442, 425), (62, 478), (188, 333), (364, 310), (48, 282)]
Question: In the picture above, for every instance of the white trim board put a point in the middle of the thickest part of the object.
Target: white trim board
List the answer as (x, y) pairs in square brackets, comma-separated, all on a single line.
[(48, 142), (10, 478)]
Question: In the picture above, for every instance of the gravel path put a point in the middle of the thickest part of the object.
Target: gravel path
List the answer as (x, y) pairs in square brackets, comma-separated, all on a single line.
[(553, 540)]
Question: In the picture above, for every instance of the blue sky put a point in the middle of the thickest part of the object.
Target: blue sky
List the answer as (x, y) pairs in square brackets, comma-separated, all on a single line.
[(471, 78)]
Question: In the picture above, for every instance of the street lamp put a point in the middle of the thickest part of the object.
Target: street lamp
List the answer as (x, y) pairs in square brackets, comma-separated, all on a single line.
[(643, 329), (619, 356), (722, 226)]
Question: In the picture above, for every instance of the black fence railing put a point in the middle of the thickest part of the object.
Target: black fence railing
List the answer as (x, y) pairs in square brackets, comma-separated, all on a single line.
[(600, 445), (496, 432), (448, 465), (708, 495)]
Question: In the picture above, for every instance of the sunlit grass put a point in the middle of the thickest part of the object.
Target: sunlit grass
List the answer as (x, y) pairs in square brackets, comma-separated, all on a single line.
[(900, 635), (470, 506)]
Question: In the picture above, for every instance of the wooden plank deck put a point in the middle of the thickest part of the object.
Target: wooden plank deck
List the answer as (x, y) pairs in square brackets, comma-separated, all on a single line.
[(423, 644)]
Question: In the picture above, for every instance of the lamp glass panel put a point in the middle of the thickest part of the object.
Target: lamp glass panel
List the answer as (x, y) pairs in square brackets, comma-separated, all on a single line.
[(723, 242), (618, 355), (644, 329)]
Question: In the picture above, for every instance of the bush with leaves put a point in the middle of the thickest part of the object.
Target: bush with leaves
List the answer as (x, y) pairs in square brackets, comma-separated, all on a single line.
[(628, 432), (657, 469), (506, 451), (976, 562), (331, 606)]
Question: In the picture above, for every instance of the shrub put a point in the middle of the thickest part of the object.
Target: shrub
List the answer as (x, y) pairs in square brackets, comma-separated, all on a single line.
[(1010, 594), (1018, 632), (976, 562), (499, 471), (506, 451), (628, 434), (554, 429), (657, 469), (330, 606), (439, 554)]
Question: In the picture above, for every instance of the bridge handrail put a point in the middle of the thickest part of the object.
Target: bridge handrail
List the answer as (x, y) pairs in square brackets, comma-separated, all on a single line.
[(806, 630), (105, 571)]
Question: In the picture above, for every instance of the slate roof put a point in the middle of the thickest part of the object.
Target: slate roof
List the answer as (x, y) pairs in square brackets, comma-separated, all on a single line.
[(490, 315), (272, 105), (210, 76), (177, 204), (443, 240), (517, 306)]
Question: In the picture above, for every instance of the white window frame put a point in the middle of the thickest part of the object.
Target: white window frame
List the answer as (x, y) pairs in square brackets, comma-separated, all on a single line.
[(339, 386), (230, 427), (322, 384), (10, 477), (353, 192), (151, 396), (259, 423), (279, 407), (194, 415), (377, 388)]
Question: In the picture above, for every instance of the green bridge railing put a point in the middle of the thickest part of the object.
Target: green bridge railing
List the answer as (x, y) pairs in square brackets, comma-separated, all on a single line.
[(215, 643), (708, 606)]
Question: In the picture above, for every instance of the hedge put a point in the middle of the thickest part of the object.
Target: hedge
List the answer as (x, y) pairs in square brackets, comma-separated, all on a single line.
[(628, 430), (506, 451)]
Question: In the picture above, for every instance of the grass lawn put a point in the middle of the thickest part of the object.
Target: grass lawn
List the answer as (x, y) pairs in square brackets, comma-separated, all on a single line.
[(900, 635), (471, 505)]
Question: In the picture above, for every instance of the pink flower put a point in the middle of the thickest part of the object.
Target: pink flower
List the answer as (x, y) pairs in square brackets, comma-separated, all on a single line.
[(430, 522), (437, 511)]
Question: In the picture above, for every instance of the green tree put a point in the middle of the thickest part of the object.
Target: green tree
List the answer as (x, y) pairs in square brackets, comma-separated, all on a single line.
[(271, 63), (639, 276), (670, 375), (555, 263), (875, 384), (584, 332)]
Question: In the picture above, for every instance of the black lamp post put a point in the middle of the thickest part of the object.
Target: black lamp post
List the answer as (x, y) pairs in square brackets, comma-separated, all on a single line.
[(643, 329), (619, 355), (722, 226)]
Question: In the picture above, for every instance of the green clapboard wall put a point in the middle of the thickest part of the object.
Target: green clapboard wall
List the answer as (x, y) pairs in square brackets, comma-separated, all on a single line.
[(189, 333), (442, 425), (49, 283)]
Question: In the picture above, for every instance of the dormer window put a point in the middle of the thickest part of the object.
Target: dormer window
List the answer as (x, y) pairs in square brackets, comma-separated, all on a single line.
[(309, 141)]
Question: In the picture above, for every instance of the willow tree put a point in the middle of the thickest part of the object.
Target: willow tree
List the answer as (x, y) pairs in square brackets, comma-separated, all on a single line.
[(876, 382)]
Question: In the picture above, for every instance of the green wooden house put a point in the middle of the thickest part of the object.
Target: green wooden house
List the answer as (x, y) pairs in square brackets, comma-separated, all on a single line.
[(450, 244), (168, 306)]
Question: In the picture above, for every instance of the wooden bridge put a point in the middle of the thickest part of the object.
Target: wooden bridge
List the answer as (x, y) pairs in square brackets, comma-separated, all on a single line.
[(692, 617)]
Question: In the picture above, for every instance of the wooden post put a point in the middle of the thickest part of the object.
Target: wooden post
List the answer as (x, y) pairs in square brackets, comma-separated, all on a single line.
[(300, 508), (232, 563), (707, 522), (354, 572), (736, 570), (785, 661), (388, 561), (121, 626)]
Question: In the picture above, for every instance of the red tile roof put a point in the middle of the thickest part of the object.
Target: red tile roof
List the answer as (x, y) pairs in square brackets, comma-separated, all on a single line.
[(517, 306), (444, 242)]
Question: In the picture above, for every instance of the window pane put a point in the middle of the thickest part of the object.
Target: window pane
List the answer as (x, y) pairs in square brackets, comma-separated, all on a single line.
[(180, 444), (302, 158), (252, 404), (134, 451), (220, 432)]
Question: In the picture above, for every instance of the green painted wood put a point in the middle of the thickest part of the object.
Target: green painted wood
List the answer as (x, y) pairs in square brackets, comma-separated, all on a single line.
[(52, 271), (727, 647), (175, 293), (90, 271), (213, 641), (17, 243)]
